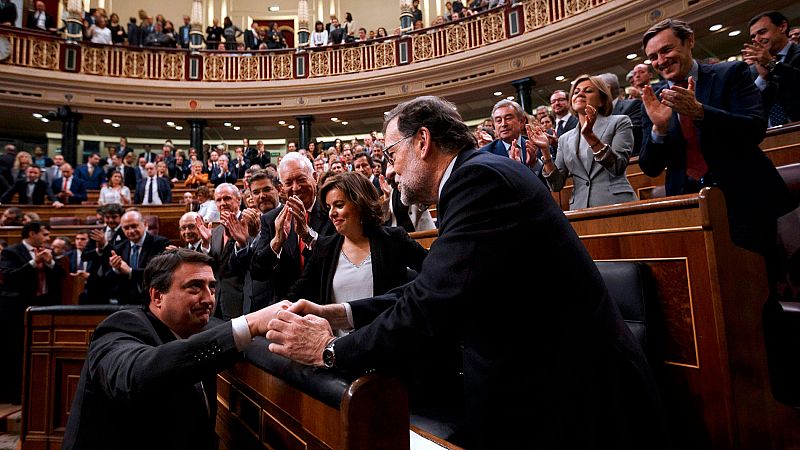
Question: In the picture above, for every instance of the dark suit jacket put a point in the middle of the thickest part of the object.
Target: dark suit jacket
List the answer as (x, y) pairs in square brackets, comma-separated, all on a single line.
[(572, 122), (633, 109), (92, 182), (164, 191), (229, 292), (150, 157), (585, 383), (128, 289), (78, 190), (732, 128), (783, 85), (498, 148), (40, 192), (393, 252), (263, 160), (101, 285), (138, 376), (184, 36), (284, 271), (129, 178), (219, 178), (257, 293), (49, 22)]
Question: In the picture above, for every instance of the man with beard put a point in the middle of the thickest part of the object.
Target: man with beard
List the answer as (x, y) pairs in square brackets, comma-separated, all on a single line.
[(590, 385), (258, 293)]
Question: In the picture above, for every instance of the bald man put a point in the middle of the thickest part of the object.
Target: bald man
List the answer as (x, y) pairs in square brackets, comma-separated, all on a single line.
[(69, 189)]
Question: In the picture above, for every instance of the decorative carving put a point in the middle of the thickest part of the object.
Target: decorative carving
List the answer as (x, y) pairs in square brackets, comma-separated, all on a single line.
[(423, 47), (572, 7), (133, 65), (44, 55), (493, 28), (249, 68), (320, 64), (172, 66), (214, 68), (537, 14), (351, 60), (456, 38), (94, 61), (384, 55), (282, 68)]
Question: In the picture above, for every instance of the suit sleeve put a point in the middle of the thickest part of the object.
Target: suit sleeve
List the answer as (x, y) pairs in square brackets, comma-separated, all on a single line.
[(417, 316), (413, 253), (126, 366), (557, 178), (308, 285), (9, 193), (615, 160), (264, 260)]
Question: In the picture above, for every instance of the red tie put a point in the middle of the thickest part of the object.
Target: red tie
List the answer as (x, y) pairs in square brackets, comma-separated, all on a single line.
[(696, 166), (302, 247), (65, 185), (41, 280)]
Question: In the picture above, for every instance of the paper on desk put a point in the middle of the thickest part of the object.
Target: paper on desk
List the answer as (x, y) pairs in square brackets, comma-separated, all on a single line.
[(420, 443)]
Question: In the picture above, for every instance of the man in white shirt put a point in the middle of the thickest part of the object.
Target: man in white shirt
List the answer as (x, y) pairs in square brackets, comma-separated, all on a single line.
[(153, 190), (559, 101)]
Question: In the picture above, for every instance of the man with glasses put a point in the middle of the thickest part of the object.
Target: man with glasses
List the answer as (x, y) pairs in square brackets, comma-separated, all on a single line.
[(586, 383), (565, 121), (414, 217)]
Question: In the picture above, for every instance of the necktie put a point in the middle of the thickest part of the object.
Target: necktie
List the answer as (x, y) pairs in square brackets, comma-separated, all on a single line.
[(134, 259), (41, 280), (150, 183), (302, 246), (696, 166), (31, 187), (91, 169), (560, 127), (65, 185), (776, 114)]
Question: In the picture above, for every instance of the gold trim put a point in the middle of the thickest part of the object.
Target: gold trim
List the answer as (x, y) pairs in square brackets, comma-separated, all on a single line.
[(637, 233), (685, 260)]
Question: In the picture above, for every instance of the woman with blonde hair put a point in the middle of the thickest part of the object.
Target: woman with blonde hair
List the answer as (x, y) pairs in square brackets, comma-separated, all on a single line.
[(115, 191), (196, 177), (595, 152), (21, 163)]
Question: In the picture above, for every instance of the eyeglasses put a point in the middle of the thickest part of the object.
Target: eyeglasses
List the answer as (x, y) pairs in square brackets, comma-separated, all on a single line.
[(390, 156)]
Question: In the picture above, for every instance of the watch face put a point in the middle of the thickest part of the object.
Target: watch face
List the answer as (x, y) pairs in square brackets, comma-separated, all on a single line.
[(328, 357)]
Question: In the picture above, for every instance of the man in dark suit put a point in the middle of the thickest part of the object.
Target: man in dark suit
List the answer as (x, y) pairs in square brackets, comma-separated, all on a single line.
[(128, 173), (153, 190), (257, 293), (99, 285), (193, 236), (148, 154), (76, 254), (707, 134), (509, 122), (289, 234), (185, 32), (39, 19), (229, 292), (69, 189), (559, 101), (91, 173), (775, 63), (586, 383), (30, 278), (32, 190), (224, 174), (129, 258), (123, 148), (154, 368), (258, 155), (631, 108)]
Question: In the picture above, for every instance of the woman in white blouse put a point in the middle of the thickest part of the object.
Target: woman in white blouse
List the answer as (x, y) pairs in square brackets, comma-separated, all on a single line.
[(115, 191), (320, 35), (100, 33), (207, 209)]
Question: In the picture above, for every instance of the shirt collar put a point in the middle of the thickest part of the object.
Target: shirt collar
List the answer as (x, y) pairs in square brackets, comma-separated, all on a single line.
[(785, 50), (141, 241), (28, 246), (447, 174)]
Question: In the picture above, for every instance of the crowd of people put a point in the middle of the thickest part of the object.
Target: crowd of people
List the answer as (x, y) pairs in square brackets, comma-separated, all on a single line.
[(146, 30), (310, 250)]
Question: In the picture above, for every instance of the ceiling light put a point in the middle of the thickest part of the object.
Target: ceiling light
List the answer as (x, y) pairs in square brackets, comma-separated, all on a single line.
[(170, 124), (344, 122), (227, 124), (237, 128), (716, 27), (37, 115), (498, 93), (560, 78), (44, 119), (178, 127), (274, 8), (735, 33), (647, 61), (107, 120), (511, 97), (281, 122), (632, 56), (291, 127), (115, 125), (335, 119)]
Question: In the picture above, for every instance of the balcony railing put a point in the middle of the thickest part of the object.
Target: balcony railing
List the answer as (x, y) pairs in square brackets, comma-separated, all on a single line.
[(35, 50)]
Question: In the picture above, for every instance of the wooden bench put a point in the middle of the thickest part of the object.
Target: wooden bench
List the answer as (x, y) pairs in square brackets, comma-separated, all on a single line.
[(713, 375)]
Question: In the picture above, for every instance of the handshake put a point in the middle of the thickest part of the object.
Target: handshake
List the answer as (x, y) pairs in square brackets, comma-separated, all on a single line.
[(300, 330)]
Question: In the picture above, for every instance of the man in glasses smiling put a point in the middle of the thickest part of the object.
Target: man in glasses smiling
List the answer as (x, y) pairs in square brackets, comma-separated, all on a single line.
[(587, 383)]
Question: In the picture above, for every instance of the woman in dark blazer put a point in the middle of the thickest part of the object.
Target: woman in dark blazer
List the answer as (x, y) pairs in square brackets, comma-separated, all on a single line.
[(595, 152), (363, 258)]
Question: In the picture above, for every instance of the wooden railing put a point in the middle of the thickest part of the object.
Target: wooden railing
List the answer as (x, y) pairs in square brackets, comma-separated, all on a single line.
[(47, 52)]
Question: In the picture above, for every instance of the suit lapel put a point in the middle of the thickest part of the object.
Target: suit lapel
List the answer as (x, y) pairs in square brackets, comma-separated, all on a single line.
[(704, 84), (600, 130)]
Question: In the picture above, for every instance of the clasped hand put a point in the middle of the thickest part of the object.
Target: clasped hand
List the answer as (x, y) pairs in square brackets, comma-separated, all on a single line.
[(676, 98), (293, 213)]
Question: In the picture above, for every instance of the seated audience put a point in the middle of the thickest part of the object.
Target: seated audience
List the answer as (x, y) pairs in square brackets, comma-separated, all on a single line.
[(197, 177), (595, 153), (12, 217), (151, 367), (364, 258), (31, 190), (115, 191)]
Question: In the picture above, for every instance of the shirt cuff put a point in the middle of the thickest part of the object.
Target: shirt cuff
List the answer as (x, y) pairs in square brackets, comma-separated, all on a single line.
[(349, 312), (241, 333), (32, 263), (760, 83), (656, 138)]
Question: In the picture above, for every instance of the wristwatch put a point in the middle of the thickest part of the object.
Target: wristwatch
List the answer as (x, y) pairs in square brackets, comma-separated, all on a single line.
[(329, 355), (771, 64)]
